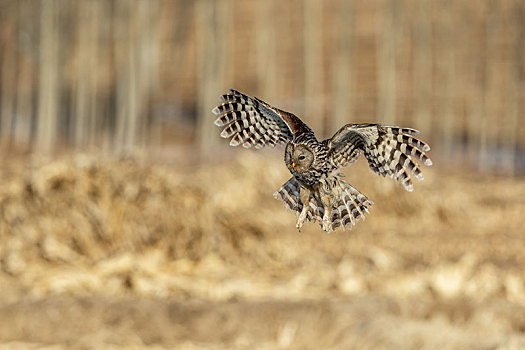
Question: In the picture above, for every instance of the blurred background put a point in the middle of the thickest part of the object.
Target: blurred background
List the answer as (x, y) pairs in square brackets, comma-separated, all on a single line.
[(126, 222)]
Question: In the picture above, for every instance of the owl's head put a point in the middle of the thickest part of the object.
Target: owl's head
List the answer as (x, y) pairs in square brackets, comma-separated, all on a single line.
[(298, 158)]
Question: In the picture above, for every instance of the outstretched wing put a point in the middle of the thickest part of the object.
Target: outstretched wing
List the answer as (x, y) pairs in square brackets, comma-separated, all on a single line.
[(253, 122), (389, 150)]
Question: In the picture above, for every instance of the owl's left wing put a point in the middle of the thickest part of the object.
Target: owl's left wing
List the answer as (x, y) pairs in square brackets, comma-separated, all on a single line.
[(250, 121), (388, 149)]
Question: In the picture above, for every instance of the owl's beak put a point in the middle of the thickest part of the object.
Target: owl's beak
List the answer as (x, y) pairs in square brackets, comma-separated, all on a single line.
[(293, 165)]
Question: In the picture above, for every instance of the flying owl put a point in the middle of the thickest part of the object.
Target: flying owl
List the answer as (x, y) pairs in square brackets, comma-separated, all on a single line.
[(316, 191)]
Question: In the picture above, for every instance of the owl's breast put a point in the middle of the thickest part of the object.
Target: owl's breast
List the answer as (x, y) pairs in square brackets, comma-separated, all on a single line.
[(308, 178)]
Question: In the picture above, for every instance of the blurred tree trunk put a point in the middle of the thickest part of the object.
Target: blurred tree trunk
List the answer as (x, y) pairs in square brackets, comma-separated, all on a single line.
[(97, 113), (24, 106), (404, 109), (148, 63), (516, 85), (85, 94), (344, 77), (449, 47), (25, 79), (314, 94), (211, 59), (476, 107), (423, 65), (48, 84), (387, 63), (137, 59), (492, 90), (104, 110), (266, 49), (8, 69), (126, 77)]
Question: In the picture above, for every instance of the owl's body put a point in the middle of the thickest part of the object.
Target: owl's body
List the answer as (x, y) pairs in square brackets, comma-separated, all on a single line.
[(309, 170), (316, 191)]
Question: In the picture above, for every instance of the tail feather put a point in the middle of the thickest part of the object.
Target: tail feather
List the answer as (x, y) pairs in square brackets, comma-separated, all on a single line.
[(289, 194), (349, 206)]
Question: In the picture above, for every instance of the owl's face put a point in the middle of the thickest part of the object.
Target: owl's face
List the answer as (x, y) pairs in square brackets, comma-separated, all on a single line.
[(298, 158)]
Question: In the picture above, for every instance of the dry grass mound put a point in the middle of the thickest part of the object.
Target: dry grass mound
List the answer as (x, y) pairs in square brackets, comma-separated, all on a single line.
[(449, 254)]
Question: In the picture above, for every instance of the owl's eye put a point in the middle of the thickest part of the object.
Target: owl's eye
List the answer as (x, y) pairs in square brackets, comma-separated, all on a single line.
[(302, 157)]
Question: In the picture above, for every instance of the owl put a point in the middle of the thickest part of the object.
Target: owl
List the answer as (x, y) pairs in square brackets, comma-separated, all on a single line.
[(316, 191)]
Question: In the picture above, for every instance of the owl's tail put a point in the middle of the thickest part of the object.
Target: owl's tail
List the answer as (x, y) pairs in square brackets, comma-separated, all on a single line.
[(349, 206)]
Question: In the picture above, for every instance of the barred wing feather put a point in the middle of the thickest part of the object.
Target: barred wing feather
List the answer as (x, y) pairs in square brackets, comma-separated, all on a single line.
[(250, 121), (389, 150)]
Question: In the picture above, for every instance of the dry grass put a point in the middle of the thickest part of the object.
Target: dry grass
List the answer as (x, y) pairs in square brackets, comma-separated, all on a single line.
[(116, 253)]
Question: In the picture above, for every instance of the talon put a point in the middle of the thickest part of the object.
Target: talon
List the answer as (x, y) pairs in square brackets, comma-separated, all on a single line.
[(327, 226), (300, 220)]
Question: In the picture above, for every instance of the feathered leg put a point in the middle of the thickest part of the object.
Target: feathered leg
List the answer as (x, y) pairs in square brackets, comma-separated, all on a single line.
[(305, 200), (327, 200), (294, 198)]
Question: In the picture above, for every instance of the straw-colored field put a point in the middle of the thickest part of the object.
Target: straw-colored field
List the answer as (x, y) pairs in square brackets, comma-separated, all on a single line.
[(109, 254)]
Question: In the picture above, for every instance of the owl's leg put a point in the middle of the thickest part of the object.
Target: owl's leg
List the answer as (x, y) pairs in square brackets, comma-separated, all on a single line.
[(305, 199), (327, 199)]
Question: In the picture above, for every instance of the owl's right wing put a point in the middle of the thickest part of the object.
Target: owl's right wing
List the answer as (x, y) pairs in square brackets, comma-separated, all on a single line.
[(388, 149), (250, 121)]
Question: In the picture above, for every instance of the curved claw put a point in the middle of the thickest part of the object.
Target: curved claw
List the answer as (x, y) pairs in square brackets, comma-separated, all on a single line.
[(327, 224)]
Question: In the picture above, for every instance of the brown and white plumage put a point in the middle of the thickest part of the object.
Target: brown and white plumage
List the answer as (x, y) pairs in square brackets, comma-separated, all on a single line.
[(389, 150), (252, 122), (316, 191), (350, 207)]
